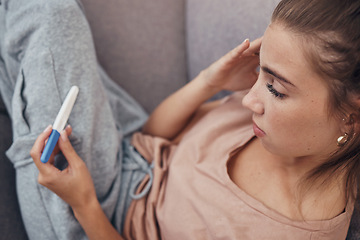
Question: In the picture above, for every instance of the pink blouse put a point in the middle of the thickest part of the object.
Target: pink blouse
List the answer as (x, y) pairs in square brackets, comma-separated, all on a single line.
[(193, 197)]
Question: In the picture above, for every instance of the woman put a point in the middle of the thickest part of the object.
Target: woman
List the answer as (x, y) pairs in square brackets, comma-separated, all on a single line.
[(286, 169)]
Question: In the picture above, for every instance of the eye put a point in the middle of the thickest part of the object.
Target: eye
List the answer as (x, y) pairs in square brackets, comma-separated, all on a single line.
[(274, 92)]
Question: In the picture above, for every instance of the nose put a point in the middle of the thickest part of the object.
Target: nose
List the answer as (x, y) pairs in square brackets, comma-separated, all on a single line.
[(252, 100)]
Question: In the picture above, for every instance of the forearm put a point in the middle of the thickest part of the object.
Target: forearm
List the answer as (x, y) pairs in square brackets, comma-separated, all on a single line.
[(173, 114), (234, 71), (95, 223)]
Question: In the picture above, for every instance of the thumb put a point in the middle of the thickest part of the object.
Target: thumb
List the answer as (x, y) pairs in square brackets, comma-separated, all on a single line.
[(67, 149)]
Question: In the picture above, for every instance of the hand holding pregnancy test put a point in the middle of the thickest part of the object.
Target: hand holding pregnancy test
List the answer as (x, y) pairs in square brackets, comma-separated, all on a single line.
[(60, 122)]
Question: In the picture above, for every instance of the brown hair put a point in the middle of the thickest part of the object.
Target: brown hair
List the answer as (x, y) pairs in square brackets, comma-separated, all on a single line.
[(333, 29)]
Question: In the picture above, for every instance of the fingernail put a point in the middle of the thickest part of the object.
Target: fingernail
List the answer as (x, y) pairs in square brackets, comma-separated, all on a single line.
[(48, 128), (246, 40)]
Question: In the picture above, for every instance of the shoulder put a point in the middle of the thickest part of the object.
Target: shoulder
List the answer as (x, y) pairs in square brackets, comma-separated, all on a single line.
[(218, 109)]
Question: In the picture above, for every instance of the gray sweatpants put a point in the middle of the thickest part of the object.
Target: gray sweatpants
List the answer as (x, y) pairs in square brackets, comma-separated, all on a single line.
[(45, 48)]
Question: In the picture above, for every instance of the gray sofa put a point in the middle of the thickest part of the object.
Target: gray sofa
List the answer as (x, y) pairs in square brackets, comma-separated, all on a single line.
[(151, 48)]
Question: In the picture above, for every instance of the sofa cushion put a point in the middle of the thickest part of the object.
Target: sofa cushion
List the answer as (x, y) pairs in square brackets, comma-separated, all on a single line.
[(354, 230), (141, 45), (215, 27), (11, 225), (2, 105)]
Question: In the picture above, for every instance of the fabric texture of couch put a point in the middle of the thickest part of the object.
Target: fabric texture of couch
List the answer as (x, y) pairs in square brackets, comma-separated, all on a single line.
[(150, 48)]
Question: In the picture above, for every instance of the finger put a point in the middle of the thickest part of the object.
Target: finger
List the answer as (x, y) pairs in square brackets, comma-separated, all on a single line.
[(254, 47), (236, 52), (38, 146), (45, 169), (254, 62), (68, 130), (56, 150), (67, 149)]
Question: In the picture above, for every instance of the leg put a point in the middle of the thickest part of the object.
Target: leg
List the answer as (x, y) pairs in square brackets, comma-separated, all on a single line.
[(49, 49)]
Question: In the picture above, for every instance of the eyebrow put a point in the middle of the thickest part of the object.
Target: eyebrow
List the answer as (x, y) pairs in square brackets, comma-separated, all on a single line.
[(276, 75)]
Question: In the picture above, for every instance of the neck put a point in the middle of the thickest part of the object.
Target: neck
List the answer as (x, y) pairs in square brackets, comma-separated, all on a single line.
[(292, 172), (277, 181), (288, 166), (291, 176)]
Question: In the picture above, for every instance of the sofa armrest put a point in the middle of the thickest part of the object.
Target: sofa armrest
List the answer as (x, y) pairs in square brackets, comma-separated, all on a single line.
[(11, 225)]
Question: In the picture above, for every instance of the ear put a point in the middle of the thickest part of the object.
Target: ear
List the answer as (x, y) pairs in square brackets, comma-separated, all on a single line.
[(352, 121)]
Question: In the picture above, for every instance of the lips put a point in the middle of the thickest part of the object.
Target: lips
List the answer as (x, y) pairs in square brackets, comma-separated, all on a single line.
[(258, 131)]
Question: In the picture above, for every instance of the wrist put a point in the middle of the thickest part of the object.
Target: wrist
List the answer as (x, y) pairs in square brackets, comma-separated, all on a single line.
[(201, 79), (87, 209)]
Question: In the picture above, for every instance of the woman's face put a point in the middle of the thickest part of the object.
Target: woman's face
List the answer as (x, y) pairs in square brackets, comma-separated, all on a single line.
[(289, 100)]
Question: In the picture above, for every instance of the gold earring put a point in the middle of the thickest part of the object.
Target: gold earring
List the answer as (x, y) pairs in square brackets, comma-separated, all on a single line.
[(342, 140)]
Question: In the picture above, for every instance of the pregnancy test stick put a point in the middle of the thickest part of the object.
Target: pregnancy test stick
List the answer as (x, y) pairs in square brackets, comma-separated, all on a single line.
[(59, 123)]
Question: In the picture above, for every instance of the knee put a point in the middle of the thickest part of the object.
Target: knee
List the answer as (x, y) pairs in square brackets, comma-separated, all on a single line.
[(63, 19), (63, 10), (26, 16), (64, 7)]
